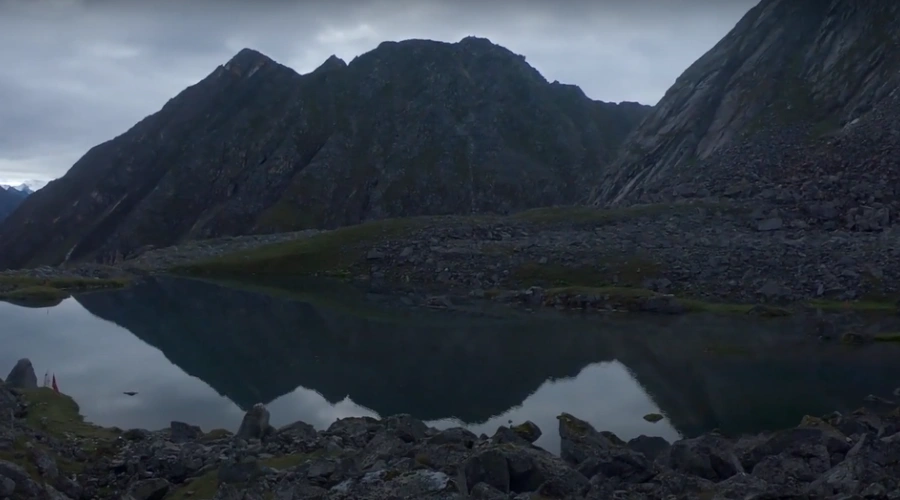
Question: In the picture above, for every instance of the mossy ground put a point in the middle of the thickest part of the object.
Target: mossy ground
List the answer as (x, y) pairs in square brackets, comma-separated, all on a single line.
[(20, 454), (59, 415), (205, 486), (337, 251), (341, 253), (44, 292), (332, 253)]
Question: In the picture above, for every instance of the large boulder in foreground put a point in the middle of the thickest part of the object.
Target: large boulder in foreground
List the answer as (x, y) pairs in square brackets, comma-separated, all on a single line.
[(22, 375), (255, 424)]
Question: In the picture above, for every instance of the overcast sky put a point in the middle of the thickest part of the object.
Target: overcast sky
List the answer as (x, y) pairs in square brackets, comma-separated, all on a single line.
[(79, 72)]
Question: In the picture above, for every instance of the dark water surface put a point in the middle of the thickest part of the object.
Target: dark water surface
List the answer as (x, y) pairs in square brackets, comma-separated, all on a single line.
[(202, 353)]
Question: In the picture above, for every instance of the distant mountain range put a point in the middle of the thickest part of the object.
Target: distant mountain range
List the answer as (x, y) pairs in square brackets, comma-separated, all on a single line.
[(797, 106), (11, 197)]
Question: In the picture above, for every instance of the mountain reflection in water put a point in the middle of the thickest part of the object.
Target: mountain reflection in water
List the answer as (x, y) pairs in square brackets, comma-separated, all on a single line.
[(317, 357)]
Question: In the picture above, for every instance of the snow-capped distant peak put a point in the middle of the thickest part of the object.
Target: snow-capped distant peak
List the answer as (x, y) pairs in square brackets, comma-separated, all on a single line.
[(25, 187)]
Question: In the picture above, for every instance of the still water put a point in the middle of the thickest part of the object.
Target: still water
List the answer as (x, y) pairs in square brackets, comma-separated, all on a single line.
[(202, 353)]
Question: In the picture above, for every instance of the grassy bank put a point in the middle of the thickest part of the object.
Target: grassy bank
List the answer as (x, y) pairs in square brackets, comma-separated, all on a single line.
[(58, 416), (338, 251), (332, 253), (32, 291), (343, 253)]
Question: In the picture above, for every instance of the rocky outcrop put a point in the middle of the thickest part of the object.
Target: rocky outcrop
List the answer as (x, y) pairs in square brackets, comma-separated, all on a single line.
[(796, 108), (22, 375), (410, 128), (836, 456)]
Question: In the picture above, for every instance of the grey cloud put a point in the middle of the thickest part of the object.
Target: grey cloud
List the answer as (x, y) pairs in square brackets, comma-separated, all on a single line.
[(84, 71)]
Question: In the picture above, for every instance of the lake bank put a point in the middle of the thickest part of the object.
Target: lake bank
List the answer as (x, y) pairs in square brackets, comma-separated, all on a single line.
[(684, 257), (46, 448)]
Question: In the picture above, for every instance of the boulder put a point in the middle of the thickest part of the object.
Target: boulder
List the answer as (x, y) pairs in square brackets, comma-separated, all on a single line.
[(22, 375), (255, 424)]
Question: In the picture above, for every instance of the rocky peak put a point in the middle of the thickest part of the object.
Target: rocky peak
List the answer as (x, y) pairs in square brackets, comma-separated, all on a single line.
[(416, 127), (246, 62), (788, 74), (332, 63)]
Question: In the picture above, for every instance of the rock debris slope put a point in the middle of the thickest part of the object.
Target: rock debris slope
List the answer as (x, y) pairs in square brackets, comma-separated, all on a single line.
[(797, 107), (410, 128)]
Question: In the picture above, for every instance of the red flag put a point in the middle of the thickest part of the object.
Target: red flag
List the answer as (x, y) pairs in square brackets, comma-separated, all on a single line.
[(55, 387)]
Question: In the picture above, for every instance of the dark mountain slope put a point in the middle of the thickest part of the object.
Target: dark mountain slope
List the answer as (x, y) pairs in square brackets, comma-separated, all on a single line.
[(410, 128), (10, 199), (797, 105)]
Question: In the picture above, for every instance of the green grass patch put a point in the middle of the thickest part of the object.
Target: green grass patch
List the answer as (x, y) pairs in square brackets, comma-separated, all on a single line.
[(59, 415), (44, 292), (44, 296), (331, 253), (618, 271), (22, 452), (887, 337), (205, 486)]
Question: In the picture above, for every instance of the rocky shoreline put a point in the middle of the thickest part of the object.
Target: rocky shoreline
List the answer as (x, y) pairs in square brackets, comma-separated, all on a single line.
[(47, 451), (701, 254)]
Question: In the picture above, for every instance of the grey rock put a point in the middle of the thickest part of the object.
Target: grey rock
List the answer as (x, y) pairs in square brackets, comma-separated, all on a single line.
[(7, 487), (20, 477), (255, 423), (240, 471), (181, 432), (710, 457), (406, 427), (300, 430), (22, 375), (149, 489), (649, 446), (489, 467), (529, 431), (45, 464), (772, 224)]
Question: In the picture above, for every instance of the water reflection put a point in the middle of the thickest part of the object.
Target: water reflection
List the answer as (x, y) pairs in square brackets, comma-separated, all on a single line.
[(200, 352)]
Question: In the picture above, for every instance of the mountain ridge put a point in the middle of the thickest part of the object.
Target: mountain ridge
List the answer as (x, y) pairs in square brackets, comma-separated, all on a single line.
[(11, 197), (781, 88), (410, 128)]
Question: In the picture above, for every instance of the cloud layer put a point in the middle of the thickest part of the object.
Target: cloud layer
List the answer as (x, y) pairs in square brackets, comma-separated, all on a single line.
[(84, 71)]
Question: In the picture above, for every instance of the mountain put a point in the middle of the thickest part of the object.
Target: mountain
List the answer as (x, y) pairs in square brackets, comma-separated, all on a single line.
[(22, 188), (411, 128), (797, 107), (10, 199)]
